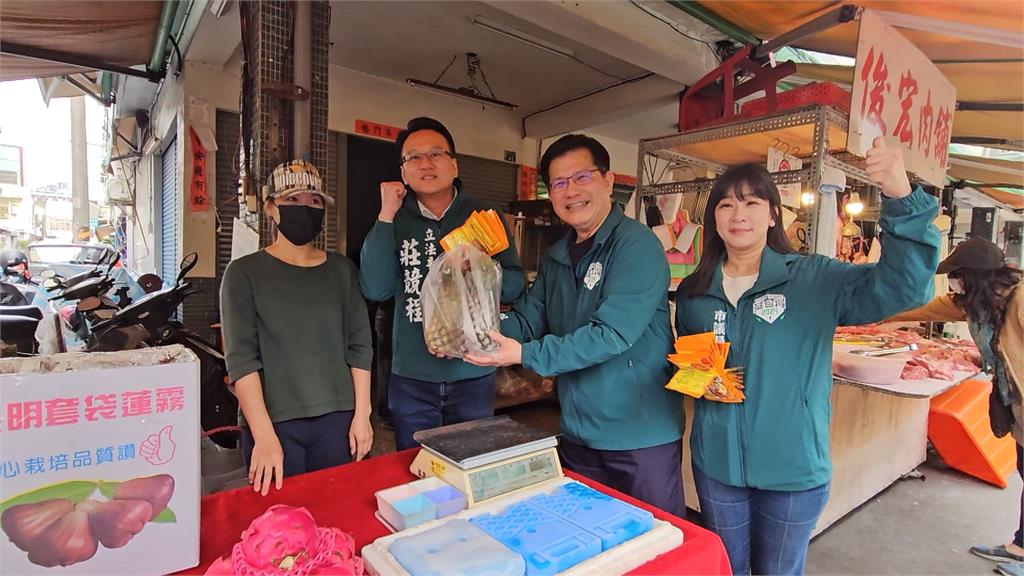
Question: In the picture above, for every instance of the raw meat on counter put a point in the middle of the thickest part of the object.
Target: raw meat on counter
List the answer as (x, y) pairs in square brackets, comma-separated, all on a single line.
[(935, 358)]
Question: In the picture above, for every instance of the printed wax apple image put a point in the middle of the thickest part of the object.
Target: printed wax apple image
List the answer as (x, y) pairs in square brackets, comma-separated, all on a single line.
[(99, 464), (64, 524)]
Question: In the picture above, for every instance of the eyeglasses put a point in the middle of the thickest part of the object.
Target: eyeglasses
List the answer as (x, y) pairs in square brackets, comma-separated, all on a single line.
[(434, 154), (581, 178)]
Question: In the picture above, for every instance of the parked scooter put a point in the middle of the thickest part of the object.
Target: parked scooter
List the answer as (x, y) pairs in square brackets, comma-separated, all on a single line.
[(150, 321), (87, 296), (16, 286), (18, 317)]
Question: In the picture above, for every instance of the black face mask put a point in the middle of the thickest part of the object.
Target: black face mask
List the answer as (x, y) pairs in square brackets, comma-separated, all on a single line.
[(300, 224)]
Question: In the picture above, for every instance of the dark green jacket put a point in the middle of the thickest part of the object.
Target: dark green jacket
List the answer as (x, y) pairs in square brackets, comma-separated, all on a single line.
[(393, 263), (781, 332), (603, 328)]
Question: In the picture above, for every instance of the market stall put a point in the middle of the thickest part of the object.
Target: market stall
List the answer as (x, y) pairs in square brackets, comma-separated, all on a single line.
[(343, 497), (813, 139)]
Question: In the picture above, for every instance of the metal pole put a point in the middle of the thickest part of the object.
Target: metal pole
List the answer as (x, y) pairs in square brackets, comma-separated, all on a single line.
[(303, 66), (639, 201), (84, 88), (74, 60), (840, 15), (817, 167), (79, 168)]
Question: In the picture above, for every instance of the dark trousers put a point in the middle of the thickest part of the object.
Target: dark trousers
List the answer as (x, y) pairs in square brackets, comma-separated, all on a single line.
[(417, 405), (309, 444), (654, 474)]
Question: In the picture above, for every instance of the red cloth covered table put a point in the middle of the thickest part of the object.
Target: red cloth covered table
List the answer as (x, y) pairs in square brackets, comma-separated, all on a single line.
[(343, 497)]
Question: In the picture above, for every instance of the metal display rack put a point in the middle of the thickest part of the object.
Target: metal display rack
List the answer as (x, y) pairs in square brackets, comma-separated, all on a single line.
[(820, 129)]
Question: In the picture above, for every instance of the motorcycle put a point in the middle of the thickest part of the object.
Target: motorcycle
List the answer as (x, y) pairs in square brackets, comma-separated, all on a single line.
[(151, 321), (18, 317)]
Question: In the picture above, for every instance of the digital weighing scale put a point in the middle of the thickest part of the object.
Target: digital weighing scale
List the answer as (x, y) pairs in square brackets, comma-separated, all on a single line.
[(487, 458)]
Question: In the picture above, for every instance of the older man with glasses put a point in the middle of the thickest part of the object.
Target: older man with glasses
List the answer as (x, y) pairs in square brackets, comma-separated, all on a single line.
[(597, 318), (426, 391)]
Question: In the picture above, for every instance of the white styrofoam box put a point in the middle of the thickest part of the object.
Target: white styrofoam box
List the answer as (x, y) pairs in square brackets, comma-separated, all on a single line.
[(78, 426), (408, 505), (662, 538)]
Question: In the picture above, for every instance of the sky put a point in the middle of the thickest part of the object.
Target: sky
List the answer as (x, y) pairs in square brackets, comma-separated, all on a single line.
[(45, 135)]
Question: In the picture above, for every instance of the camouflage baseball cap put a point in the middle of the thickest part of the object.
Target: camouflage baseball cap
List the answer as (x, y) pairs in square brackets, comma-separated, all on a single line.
[(295, 177)]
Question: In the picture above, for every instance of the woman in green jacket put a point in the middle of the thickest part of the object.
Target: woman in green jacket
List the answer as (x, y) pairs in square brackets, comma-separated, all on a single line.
[(762, 466)]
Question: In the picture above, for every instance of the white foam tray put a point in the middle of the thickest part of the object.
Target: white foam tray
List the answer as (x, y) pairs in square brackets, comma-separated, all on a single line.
[(661, 538)]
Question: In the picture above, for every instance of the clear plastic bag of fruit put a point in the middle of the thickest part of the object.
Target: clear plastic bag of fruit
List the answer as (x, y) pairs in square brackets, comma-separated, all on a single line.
[(460, 299)]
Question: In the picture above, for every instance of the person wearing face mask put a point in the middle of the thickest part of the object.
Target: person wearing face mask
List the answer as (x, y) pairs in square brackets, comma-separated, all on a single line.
[(297, 341), (597, 318), (988, 295), (761, 466), (426, 391)]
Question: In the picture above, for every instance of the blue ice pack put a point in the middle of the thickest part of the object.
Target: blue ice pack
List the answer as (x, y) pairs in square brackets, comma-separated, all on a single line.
[(547, 543), (610, 519)]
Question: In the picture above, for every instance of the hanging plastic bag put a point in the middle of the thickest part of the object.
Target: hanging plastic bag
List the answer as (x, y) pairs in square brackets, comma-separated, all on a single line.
[(460, 298)]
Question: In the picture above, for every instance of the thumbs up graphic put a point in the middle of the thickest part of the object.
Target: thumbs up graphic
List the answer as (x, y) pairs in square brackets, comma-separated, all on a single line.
[(159, 448)]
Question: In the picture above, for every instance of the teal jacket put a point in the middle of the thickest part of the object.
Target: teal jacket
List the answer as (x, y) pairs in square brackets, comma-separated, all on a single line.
[(603, 329), (781, 333), (394, 261)]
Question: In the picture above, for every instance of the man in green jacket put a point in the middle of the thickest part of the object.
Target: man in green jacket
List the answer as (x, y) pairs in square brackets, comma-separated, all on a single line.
[(597, 317), (426, 391)]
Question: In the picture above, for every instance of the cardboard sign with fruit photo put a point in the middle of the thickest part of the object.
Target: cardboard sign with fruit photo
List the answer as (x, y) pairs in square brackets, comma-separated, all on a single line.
[(60, 525), (99, 463)]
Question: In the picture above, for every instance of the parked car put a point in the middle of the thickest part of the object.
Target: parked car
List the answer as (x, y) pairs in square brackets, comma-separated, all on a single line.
[(44, 254), (69, 259)]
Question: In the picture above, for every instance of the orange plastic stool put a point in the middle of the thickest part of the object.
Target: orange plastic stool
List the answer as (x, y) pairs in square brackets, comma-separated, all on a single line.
[(958, 427)]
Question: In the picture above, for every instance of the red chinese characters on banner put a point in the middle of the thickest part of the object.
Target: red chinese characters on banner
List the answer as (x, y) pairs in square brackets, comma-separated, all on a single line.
[(941, 149), (904, 130), (100, 406), (900, 95), (60, 411), (136, 403), (377, 130), (23, 415), (924, 138), (170, 399), (876, 73), (91, 408), (198, 196)]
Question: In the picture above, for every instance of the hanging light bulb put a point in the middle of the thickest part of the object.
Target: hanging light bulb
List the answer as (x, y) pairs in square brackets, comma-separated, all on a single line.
[(807, 198), (853, 205)]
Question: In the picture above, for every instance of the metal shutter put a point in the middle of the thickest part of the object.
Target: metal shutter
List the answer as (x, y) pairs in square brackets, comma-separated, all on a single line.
[(170, 200), (227, 186), (489, 179)]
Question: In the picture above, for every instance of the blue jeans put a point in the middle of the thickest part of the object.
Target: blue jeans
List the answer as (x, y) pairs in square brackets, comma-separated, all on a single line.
[(309, 444), (417, 405), (764, 531)]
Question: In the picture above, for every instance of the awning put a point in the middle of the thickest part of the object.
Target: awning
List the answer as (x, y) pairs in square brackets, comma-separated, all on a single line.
[(116, 32), (1015, 201), (769, 18), (991, 171), (981, 82), (978, 45)]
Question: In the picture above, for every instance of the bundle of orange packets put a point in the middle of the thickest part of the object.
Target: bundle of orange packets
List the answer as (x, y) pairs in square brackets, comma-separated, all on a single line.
[(702, 372), (482, 229)]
